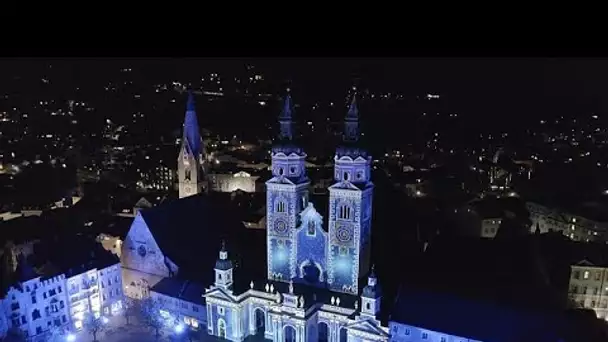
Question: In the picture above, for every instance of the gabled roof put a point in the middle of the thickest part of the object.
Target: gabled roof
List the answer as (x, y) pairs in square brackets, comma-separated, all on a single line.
[(189, 231), (367, 325), (183, 289)]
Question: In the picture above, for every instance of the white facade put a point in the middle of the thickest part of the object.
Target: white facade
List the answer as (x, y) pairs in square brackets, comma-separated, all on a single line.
[(489, 227), (96, 291), (39, 304), (193, 315), (407, 333), (231, 182), (575, 227), (589, 287)]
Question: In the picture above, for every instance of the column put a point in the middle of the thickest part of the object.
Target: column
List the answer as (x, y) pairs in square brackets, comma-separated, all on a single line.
[(302, 334), (251, 320), (209, 319)]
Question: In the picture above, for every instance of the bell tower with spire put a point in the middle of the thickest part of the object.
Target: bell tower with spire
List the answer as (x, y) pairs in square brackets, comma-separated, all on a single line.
[(350, 209), (286, 196), (191, 163)]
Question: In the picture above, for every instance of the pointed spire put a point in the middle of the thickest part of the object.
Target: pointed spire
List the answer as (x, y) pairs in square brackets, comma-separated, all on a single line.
[(351, 121), (190, 104), (286, 118), (372, 280), (353, 110), (291, 287), (191, 134), (537, 230)]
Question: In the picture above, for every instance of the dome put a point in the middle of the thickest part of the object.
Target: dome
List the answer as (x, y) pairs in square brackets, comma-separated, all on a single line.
[(223, 265), (351, 151), (372, 291)]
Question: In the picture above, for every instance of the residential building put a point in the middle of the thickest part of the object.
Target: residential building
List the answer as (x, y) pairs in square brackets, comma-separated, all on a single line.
[(38, 303), (589, 287), (576, 227), (182, 301)]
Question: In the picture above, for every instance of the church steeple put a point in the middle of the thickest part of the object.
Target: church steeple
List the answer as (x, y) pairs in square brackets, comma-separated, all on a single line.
[(371, 296), (286, 119), (351, 121), (223, 268), (191, 163), (191, 133)]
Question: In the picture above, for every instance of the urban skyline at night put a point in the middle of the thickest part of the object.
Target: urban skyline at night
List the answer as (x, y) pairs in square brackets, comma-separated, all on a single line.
[(402, 199)]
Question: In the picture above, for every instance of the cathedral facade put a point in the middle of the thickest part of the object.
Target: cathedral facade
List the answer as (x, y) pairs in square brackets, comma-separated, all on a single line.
[(311, 291)]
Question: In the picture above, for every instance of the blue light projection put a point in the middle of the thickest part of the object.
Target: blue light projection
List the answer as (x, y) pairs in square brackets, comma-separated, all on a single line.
[(191, 129), (311, 246)]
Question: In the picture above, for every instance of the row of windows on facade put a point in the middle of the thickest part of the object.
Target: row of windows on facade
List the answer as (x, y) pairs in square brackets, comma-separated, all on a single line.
[(585, 290), (593, 304), (586, 275), (344, 211), (49, 310), (19, 322), (423, 335), (113, 293)]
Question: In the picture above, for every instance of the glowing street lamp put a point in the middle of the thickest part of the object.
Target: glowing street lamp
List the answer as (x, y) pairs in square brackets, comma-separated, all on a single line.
[(71, 337), (179, 329)]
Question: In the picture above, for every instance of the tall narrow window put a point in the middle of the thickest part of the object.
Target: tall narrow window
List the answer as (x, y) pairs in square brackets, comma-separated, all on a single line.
[(311, 228), (187, 175), (280, 207), (344, 212)]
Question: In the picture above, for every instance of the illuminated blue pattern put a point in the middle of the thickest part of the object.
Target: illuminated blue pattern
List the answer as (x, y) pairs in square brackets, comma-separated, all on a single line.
[(281, 256), (191, 129), (311, 245), (286, 195)]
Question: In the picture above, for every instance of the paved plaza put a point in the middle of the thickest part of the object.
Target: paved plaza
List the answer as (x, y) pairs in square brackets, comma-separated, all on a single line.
[(118, 331)]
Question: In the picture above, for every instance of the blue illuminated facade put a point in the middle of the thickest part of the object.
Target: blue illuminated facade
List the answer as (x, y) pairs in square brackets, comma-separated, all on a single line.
[(311, 290)]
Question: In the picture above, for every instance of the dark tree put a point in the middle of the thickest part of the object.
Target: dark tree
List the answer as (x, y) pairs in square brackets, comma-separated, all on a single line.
[(93, 325), (150, 313)]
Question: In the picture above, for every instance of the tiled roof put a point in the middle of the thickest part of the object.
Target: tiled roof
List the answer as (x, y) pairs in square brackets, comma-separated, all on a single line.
[(189, 231), (183, 289)]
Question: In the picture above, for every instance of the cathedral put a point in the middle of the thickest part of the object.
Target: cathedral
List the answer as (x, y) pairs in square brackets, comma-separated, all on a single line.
[(312, 290), (319, 283)]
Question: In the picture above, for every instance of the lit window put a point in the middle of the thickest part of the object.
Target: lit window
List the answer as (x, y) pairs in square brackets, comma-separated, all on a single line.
[(311, 228), (586, 275)]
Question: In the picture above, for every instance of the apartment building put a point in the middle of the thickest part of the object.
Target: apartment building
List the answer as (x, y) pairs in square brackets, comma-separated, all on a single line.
[(576, 227), (589, 287)]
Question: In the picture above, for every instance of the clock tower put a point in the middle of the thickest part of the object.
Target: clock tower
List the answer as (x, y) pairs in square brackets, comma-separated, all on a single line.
[(350, 209), (190, 163), (286, 197)]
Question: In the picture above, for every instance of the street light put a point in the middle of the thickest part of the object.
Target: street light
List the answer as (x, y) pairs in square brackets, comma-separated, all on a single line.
[(179, 328), (71, 337)]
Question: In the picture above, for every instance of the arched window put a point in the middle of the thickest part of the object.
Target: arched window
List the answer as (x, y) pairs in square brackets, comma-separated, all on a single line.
[(280, 207), (311, 227), (345, 175), (344, 212), (187, 174)]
